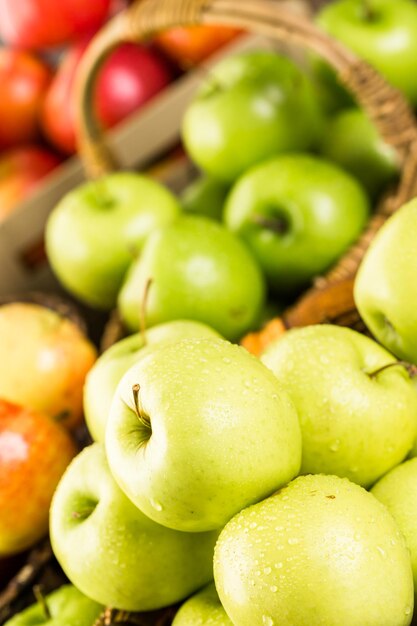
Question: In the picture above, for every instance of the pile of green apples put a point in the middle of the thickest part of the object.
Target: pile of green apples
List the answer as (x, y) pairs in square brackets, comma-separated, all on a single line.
[(278, 490)]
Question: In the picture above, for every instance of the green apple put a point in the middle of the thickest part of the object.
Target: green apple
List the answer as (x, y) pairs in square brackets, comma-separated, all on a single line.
[(382, 32), (205, 196), (321, 551), (252, 106), (66, 606), (385, 288), (208, 431), (96, 230), (204, 609), (198, 270), (114, 553), (397, 491), (351, 141), (356, 421), (297, 214), (104, 376)]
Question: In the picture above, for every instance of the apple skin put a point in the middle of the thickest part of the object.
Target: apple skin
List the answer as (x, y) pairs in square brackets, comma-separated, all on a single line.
[(67, 606), (385, 289), (385, 35), (252, 106), (352, 424), (351, 141), (322, 547), (205, 196), (121, 208), (204, 609), (45, 359), (127, 561), (34, 452), (196, 479), (103, 378), (199, 270), (313, 212), (397, 491)]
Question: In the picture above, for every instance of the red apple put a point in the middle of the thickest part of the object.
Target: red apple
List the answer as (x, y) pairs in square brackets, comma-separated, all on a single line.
[(24, 80), (130, 77), (44, 359), (44, 23), (21, 170), (189, 45), (34, 452)]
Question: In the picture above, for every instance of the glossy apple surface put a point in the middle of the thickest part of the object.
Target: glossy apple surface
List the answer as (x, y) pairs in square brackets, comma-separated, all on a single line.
[(41, 23), (397, 491), (382, 32), (385, 288), (24, 80), (127, 561), (252, 106), (67, 607), (322, 547), (204, 609), (195, 478), (198, 270), (130, 76), (21, 171), (103, 378), (351, 141), (34, 452), (96, 231), (297, 213), (354, 421), (45, 359)]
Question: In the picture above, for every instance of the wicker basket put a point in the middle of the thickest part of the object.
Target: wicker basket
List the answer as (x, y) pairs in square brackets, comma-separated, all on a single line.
[(330, 299)]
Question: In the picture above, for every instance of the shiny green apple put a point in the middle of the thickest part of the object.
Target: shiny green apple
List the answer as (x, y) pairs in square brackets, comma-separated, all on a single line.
[(204, 609), (104, 376), (205, 196), (356, 421), (197, 270), (199, 429), (114, 553), (320, 551)]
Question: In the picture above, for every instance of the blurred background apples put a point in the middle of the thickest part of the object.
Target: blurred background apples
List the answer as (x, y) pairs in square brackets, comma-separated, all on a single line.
[(44, 359)]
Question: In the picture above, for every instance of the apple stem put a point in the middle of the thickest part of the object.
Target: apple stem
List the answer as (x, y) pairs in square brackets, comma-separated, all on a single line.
[(40, 598), (277, 224), (138, 406), (368, 12), (411, 369), (142, 312)]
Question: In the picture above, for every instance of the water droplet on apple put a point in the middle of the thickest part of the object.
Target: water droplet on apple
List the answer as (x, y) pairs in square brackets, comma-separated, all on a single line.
[(253, 525), (226, 360), (334, 447), (267, 570), (407, 610), (381, 551), (274, 588), (267, 620), (293, 541), (156, 505)]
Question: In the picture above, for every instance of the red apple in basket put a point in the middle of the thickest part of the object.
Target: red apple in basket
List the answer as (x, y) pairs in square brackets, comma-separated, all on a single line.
[(44, 359), (129, 77), (44, 23), (24, 80), (21, 171), (34, 452)]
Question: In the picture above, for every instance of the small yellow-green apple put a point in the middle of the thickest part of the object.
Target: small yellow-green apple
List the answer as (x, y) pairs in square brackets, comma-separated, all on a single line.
[(45, 359), (352, 142), (197, 270), (320, 551), (205, 196), (382, 32), (355, 421), (104, 376), (66, 606), (34, 452), (188, 428), (397, 491), (385, 289), (252, 106), (204, 609), (97, 229), (297, 213), (114, 553)]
